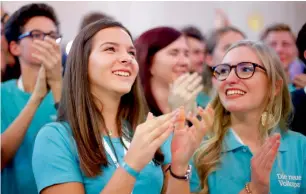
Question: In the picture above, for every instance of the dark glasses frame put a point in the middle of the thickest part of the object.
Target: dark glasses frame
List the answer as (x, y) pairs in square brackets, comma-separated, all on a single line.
[(235, 67), (30, 34)]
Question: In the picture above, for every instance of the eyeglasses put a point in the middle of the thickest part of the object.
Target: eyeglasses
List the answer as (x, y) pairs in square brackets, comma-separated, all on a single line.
[(243, 70), (39, 35)]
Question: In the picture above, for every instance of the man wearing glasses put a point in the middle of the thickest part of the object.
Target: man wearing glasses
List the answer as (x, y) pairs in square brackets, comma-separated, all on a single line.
[(33, 35)]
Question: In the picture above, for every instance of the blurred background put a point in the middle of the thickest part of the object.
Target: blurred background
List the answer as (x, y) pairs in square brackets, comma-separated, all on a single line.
[(250, 17)]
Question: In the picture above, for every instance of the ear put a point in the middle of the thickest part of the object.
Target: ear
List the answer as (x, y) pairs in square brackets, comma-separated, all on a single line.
[(305, 54), (14, 48), (278, 87)]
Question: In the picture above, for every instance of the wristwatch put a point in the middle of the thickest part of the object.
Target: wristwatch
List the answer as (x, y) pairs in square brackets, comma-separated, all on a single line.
[(185, 177)]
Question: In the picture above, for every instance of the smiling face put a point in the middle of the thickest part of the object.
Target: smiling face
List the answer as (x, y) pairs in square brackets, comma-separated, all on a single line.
[(171, 62), (112, 66), (243, 95)]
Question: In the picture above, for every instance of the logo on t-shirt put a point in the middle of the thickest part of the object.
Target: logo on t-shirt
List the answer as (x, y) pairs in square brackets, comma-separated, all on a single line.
[(53, 117), (289, 180)]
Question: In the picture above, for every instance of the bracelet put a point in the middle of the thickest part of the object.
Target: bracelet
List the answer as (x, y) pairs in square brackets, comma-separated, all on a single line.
[(185, 177), (247, 188), (130, 170)]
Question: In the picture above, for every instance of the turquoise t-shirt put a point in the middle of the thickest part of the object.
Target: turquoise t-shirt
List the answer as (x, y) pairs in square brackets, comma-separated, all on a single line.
[(203, 99), (291, 87), (18, 177), (288, 175), (55, 161)]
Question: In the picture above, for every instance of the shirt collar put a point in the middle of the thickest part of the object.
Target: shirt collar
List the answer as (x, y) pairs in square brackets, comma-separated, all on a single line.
[(231, 142)]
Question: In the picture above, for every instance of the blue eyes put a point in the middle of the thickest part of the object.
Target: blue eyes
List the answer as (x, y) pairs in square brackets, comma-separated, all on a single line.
[(247, 69)]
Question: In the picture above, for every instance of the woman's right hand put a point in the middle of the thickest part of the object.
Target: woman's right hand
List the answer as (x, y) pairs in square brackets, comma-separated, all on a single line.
[(41, 88), (149, 136), (261, 165)]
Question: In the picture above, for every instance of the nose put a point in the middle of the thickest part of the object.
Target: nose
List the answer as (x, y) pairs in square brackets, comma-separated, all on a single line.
[(125, 58), (279, 48), (232, 77), (183, 61)]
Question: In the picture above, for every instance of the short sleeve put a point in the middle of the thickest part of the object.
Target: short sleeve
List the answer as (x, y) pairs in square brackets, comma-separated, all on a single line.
[(53, 160), (4, 124), (4, 117)]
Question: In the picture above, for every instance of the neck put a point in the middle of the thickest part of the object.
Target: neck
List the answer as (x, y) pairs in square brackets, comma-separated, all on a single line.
[(247, 127), (29, 75), (161, 94), (110, 105)]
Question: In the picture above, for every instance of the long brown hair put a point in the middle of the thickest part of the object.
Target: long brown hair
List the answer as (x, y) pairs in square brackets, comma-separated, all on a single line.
[(207, 157), (78, 107)]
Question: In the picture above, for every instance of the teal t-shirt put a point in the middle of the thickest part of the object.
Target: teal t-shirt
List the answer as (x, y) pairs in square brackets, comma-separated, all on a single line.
[(203, 99), (18, 177), (288, 175), (55, 161), (291, 87)]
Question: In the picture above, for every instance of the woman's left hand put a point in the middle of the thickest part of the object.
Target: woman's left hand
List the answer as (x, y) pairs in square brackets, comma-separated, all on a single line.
[(184, 91), (187, 139)]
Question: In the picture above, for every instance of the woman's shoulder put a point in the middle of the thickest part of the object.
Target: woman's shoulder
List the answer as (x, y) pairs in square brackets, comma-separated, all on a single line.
[(55, 130), (292, 135), (294, 141)]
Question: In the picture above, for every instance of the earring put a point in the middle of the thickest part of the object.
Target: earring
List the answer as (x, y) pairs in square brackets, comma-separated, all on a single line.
[(267, 119)]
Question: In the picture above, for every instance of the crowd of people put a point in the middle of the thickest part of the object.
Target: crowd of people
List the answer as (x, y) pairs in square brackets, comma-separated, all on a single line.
[(171, 111)]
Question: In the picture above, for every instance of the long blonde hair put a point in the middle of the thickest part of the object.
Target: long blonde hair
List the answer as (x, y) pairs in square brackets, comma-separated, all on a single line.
[(208, 155)]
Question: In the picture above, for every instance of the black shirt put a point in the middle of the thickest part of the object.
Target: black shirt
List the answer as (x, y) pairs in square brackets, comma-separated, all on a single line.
[(299, 120)]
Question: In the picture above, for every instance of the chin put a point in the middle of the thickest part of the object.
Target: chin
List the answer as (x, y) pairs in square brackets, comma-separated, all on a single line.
[(35, 62), (235, 107), (123, 90)]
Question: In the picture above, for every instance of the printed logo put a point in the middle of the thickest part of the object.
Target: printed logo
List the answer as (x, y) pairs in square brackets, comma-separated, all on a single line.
[(289, 180)]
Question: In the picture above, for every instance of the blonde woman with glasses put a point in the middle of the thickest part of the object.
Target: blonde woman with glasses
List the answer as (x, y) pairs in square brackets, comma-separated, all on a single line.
[(250, 149)]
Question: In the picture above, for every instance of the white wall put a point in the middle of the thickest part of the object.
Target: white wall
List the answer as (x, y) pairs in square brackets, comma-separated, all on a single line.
[(140, 16)]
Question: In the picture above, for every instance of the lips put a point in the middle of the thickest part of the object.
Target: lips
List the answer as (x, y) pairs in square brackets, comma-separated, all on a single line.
[(123, 73), (234, 91)]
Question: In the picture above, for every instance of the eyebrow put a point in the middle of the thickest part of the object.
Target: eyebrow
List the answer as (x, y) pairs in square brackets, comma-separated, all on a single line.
[(35, 29), (115, 44)]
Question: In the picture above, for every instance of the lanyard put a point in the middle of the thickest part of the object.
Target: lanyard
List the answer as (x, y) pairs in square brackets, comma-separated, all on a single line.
[(112, 155), (110, 152)]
